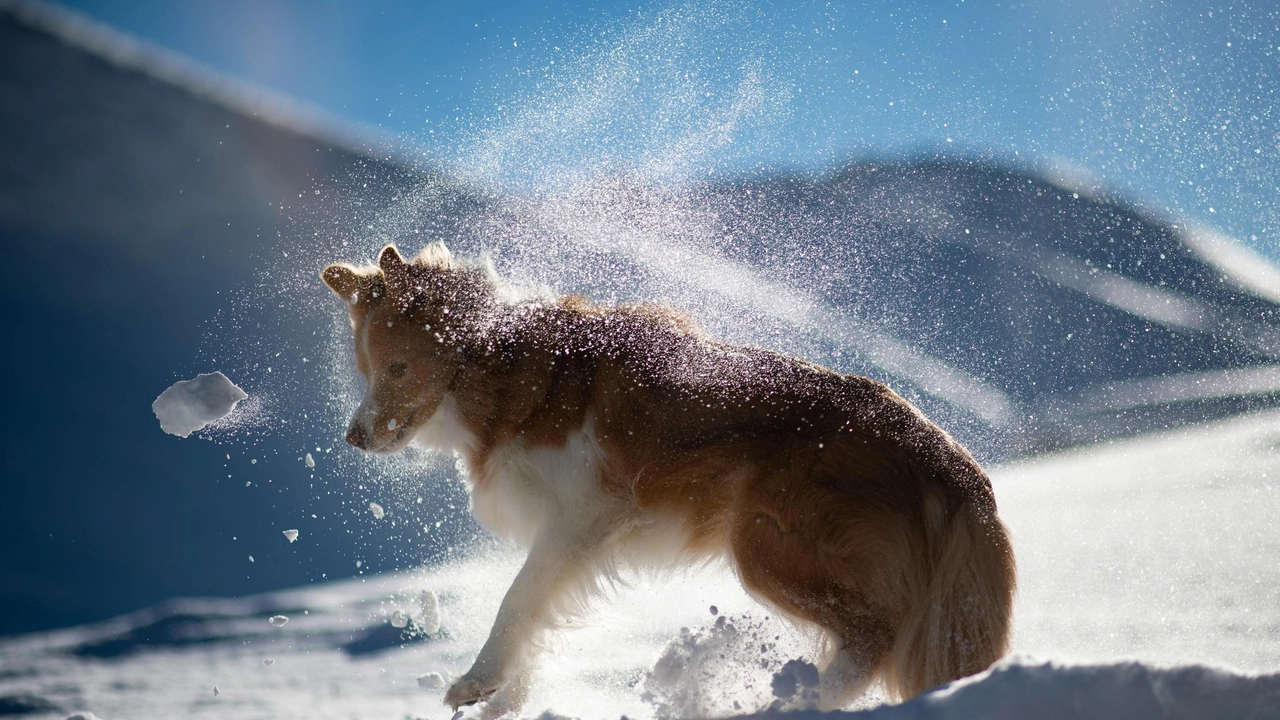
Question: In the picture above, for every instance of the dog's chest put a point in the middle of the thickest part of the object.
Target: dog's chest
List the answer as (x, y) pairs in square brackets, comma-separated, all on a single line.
[(517, 490)]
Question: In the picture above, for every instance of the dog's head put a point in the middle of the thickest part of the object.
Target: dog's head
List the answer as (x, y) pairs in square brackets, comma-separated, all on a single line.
[(412, 320)]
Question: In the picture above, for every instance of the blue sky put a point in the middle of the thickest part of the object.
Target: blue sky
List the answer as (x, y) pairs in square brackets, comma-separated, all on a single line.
[(1173, 103)]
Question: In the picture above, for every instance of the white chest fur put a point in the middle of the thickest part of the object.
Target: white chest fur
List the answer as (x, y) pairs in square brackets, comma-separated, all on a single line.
[(519, 490)]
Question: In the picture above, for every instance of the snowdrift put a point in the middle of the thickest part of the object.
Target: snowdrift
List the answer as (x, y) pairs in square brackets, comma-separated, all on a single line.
[(1023, 688)]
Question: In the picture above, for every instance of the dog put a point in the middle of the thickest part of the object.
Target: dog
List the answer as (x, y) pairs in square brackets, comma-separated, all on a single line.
[(604, 436)]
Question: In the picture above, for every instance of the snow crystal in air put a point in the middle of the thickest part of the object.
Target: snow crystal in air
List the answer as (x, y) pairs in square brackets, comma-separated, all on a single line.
[(430, 612), (216, 691), (431, 681), (399, 619), (278, 620), (189, 405), (250, 558), (309, 461), (377, 510), (268, 662), (291, 535)]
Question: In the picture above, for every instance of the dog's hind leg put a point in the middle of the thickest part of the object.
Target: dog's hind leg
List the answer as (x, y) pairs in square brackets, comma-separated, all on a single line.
[(803, 580), (847, 675)]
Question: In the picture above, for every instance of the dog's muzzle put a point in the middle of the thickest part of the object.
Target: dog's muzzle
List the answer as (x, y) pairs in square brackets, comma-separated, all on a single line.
[(356, 437)]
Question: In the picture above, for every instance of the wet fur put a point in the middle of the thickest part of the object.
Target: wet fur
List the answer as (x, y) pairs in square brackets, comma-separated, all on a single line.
[(598, 434)]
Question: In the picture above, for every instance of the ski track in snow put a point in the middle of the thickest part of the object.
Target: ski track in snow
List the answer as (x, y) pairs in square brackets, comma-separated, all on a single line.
[(1160, 549)]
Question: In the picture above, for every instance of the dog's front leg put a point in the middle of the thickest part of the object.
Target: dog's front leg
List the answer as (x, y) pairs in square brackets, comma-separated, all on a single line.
[(558, 560)]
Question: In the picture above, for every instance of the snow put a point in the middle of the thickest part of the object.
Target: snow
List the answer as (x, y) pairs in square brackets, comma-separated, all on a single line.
[(399, 619), (1021, 687), (431, 681), (189, 405), (1148, 589), (377, 510), (430, 606), (309, 461), (82, 716), (278, 620), (291, 535), (795, 677), (691, 677)]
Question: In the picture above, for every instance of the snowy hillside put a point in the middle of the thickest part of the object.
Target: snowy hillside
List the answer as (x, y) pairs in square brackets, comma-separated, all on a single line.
[(1157, 549)]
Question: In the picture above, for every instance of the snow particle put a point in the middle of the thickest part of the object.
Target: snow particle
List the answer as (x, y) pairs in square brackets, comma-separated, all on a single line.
[(268, 662), (391, 424), (189, 405), (250, 558), (715, 610), (309, 461), (431, 681), (377, 510), (216, 691), (278, 620), (399, 619), (291, 535)]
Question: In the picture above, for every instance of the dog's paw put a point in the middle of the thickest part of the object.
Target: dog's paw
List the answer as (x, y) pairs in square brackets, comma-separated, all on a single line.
[(469, 690)]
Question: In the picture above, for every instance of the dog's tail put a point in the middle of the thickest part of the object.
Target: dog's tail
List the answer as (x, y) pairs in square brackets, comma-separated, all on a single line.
[(960, 620)]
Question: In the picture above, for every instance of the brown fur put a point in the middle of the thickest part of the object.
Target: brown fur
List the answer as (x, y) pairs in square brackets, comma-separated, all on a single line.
[(835, 499)]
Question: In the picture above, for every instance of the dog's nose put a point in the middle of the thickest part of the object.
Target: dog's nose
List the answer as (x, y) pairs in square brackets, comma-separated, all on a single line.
[(356, 437)]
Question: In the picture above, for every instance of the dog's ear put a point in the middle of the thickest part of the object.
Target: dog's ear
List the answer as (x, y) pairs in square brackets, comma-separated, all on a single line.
[(394, 268), (342, 279), (390, 262)]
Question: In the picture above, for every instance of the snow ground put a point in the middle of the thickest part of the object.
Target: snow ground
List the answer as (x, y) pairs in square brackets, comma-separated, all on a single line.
[(1160, 548)]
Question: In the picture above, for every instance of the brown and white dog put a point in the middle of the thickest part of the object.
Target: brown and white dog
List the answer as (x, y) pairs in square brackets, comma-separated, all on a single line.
[(605, 435)]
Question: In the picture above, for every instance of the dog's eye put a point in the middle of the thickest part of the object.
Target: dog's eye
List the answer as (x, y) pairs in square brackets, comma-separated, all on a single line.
[(397, 369)]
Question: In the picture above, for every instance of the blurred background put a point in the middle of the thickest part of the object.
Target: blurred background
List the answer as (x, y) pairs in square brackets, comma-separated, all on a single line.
[(1047, 224)]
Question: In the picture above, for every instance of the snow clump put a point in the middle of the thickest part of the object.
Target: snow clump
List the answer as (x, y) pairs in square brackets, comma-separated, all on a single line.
[(377, 510), (189, 405), (718, 671), (291, 535), (430, 612), (431, 681), (278, 620), (797, 676)]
